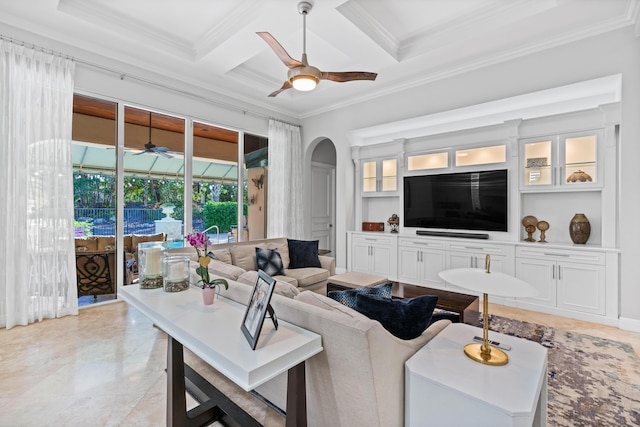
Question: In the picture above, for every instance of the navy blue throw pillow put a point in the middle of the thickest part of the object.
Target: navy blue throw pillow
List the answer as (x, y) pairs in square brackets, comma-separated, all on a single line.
[(404, 318), (303, 253), (269, 261), (348, 296)]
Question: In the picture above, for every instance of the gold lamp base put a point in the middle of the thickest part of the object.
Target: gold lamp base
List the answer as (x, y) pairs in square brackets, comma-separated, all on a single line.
[(494, 356), (484, 353)]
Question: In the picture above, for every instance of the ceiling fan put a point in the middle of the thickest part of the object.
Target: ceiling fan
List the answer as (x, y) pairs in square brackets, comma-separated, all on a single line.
[(150, 147), (301, 75)]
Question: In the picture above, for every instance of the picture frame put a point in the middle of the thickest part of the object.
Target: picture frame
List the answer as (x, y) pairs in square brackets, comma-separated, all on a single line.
[(257, 308)]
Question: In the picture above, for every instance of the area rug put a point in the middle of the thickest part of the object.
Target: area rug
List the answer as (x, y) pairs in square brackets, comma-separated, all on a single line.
[(592, 381)]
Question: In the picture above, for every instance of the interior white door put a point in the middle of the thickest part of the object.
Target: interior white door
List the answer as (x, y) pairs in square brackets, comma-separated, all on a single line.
[(323, 205)]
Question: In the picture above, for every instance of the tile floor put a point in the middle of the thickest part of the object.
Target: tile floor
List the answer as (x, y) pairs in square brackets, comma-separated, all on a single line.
[(105, 367)]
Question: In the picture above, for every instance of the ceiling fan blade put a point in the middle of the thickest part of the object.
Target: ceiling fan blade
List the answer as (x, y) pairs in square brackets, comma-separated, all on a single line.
[(286, 85), (163, 154), (160, 148), (140, 152), (348, 76), (279, 50)]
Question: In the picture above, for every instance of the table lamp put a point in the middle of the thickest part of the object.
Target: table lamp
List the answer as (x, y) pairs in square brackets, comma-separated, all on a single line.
[(487, 282)]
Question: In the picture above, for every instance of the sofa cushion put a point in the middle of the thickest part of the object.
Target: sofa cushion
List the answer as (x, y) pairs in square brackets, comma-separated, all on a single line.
[(106, 243), (404, 318), (303, 253), (348, 296), (269, 261), (244, 256), (283, 249), (318, 300), (307, 276), (84, 244), (128, 243), (228, 271), (282, 288), (222, 255)]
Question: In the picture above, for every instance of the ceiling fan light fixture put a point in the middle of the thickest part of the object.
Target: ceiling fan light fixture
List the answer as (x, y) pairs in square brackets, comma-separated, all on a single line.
[(304, 78), (304, 82)]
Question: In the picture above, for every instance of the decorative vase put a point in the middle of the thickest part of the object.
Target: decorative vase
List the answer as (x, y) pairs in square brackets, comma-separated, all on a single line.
[(208, 294), (529, 222), (579, 229), (543, 226)]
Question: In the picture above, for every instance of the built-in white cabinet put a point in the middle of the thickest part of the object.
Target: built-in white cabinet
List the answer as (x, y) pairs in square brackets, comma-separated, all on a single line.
[(420, 258), (566, 279), (557, 166), (474, 255), (566, 162), (572, 280), (374, 254), (420, 261)]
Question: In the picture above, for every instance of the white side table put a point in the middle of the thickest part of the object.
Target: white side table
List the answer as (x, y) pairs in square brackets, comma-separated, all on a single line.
[(444, 387)]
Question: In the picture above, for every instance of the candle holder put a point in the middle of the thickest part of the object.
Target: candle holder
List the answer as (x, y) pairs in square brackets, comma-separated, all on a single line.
[(150, 256), (175, 273)]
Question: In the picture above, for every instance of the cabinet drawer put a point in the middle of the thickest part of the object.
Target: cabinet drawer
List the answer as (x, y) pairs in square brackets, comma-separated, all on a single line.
[(478, 248), (585, 257), (415, 243), (373, 239)]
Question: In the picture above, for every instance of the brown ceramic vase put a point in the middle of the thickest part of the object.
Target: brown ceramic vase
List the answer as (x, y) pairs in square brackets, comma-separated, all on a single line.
[(579, 229)]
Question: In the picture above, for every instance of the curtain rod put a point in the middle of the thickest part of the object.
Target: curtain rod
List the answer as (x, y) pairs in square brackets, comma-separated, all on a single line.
[(282, 121), (132, 77)]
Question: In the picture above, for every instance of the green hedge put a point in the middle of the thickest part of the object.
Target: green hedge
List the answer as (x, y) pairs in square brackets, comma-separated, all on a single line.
[(222, 214)]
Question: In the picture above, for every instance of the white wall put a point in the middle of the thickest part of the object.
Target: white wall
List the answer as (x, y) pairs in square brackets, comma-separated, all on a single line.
[(612, 53)]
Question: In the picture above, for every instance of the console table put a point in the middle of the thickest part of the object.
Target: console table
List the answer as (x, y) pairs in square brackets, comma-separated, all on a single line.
[(444, 387), (213, 334)]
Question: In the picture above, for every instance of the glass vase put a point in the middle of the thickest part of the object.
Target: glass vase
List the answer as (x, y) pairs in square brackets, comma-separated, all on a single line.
[(150, 255), (175, 273)]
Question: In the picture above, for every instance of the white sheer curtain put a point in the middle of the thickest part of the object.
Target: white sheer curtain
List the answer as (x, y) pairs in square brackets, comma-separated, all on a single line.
[(285, 198), (37, 255)]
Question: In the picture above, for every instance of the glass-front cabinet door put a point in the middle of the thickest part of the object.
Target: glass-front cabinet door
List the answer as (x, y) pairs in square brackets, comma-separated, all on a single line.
[(561, 162), (580, 159), (538, 160), (379, 177)]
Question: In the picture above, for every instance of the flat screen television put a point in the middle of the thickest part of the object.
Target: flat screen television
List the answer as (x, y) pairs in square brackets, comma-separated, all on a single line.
[(459, 201)]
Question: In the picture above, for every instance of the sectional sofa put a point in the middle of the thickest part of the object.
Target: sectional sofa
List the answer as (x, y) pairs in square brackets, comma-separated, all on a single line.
[(358, 378), (234, 260)]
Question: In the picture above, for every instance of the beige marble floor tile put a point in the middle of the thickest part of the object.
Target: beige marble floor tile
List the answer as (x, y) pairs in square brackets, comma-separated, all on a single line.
[(105, 367)]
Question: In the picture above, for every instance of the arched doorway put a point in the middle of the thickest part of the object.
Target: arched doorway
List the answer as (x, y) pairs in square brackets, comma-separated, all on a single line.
[(323, 195)]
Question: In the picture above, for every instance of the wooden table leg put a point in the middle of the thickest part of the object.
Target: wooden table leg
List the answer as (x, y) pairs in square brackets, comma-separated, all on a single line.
[(296, 397), (213, 404), (176, 397)]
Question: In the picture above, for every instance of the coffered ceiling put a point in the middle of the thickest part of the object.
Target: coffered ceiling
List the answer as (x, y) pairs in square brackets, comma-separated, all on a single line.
[(213, 44)]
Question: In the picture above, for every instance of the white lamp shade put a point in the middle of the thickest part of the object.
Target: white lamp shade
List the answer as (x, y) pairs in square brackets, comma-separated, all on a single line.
[(494, 283)]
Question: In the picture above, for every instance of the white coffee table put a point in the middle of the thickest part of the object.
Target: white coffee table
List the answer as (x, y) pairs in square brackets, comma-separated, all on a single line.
[(444, 387)]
